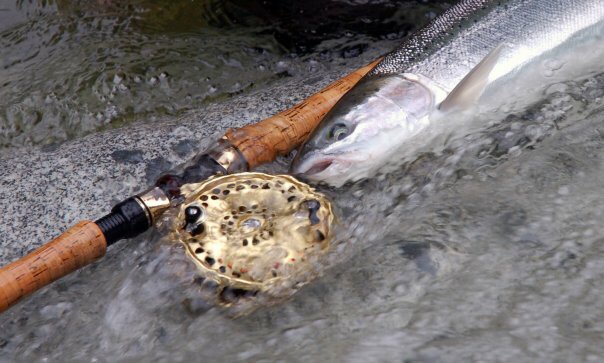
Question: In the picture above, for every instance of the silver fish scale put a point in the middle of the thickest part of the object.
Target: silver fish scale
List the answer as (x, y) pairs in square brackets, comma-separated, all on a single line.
[(429, 38), (454, 42)]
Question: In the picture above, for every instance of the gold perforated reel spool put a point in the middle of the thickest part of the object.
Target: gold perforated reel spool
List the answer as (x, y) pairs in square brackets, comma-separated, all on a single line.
[(255, 231)]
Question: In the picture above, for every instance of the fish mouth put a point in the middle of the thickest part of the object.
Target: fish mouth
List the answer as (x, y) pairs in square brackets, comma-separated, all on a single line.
[(311, 167), (331, 169), (319, 167)]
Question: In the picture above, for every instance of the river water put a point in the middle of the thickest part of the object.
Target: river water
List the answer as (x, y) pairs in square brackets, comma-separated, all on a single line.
[(489, 251), (70, 67)]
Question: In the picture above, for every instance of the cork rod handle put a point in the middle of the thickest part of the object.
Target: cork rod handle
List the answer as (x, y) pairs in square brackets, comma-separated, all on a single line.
[(277, 135), (77, 247)]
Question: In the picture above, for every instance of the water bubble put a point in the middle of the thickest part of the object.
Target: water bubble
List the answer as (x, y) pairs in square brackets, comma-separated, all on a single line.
[(515, 151), (556, 88), (431, 15), (117, 79), (551, 66), (534, 132)]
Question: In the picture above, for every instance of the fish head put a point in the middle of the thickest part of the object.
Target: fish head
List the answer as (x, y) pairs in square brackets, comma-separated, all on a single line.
[(363, 130)]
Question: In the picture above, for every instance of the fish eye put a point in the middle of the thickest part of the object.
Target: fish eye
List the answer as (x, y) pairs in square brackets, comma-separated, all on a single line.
[(337, 132)]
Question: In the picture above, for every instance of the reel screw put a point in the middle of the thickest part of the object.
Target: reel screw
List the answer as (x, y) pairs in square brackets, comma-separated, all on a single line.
[(192, 214), (313, 207), (197, 229)]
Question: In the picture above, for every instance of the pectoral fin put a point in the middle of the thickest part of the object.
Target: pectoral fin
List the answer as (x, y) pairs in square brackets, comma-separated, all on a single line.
[(473, 84)]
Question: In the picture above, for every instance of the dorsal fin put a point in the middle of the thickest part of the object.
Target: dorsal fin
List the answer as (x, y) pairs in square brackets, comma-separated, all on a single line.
[(473, 84)]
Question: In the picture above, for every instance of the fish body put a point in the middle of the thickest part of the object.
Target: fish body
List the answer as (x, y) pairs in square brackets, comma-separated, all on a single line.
[(466, 54)]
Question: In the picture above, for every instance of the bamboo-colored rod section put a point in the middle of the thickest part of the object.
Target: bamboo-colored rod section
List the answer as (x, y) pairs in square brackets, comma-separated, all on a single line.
[(77, 247)]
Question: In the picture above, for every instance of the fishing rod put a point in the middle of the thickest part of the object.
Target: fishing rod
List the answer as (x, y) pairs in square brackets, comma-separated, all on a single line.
[(239, 150)]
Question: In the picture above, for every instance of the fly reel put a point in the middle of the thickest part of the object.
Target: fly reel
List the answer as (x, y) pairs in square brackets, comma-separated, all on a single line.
[(255, 232)]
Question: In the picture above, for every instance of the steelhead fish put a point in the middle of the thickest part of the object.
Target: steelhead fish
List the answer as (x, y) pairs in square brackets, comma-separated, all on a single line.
[(473, 52)]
